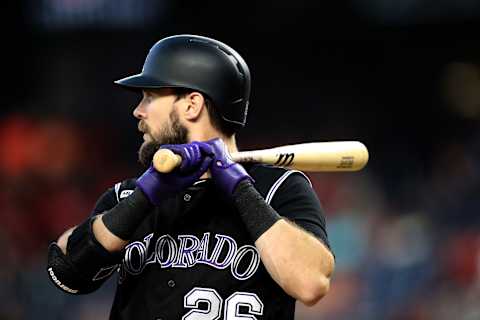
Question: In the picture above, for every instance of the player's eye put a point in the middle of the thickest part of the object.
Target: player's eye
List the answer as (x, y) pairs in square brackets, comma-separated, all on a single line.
[(147, 97)]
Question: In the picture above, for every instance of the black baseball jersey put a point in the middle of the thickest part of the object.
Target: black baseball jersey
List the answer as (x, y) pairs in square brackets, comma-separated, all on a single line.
[(192, 257)]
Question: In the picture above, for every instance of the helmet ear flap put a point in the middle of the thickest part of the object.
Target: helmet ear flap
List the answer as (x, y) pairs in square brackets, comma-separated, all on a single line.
[(198, 63)]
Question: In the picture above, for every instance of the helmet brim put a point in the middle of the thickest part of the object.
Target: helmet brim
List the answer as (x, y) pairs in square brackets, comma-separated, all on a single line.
[(142, 81)]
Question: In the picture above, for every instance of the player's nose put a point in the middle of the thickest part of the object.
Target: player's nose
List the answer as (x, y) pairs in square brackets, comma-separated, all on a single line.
[(139, 112)]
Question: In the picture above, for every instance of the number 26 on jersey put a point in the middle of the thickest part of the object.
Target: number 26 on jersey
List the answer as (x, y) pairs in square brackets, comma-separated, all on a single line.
[(215, 303)]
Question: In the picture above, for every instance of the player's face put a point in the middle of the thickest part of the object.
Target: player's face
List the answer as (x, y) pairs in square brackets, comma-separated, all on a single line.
[(160, 123)]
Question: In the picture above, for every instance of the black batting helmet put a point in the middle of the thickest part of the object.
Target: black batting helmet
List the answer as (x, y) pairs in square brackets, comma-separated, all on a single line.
[(199, 63)]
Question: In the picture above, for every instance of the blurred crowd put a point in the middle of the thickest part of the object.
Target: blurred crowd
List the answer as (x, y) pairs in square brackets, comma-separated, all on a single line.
[(418, 260), (49, 181)]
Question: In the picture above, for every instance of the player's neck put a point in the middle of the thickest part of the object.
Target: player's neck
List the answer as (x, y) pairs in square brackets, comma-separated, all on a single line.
[(231, 143)]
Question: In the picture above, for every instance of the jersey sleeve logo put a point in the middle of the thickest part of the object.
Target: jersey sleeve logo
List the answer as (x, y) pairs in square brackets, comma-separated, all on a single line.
[(125, 193)]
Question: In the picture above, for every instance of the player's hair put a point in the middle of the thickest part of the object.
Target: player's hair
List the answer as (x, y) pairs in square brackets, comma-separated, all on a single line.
[(216, 119)]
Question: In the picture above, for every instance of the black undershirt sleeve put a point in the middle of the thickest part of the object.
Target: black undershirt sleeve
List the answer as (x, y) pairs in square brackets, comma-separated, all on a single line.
[(297, 201), (106, 202)]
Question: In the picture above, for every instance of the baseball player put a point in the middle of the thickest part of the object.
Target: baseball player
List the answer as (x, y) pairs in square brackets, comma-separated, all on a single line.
[(212, 239)]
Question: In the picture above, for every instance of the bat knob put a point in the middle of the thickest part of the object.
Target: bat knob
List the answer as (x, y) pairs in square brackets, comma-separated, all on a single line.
[(164, 160)]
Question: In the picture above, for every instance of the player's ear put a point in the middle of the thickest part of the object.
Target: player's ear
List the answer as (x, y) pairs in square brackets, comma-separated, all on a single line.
[(195, 103)]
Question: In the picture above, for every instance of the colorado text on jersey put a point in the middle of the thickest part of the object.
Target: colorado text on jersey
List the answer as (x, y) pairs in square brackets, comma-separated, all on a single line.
[(189, 250)]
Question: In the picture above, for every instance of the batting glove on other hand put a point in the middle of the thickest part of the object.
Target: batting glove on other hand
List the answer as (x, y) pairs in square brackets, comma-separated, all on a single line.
[(226, 173)]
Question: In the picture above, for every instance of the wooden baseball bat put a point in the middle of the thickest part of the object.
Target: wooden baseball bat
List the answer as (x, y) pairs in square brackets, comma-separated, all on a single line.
[(313, 156)]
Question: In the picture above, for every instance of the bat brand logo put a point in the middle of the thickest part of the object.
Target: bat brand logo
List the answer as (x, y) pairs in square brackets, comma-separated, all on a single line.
[(285, 159), (346, 162)]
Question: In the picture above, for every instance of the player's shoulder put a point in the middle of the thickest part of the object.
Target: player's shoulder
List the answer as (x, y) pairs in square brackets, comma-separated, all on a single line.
[(269, 178), (118, 191), (123, 188), (265, 171), (113, 195)]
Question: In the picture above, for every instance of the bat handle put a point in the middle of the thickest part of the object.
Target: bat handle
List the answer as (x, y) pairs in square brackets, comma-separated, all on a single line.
[(164, 160)]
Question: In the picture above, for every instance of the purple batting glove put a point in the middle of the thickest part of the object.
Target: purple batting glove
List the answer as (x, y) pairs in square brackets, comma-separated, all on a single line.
[(226, 173), (196, 158), (192, 153)]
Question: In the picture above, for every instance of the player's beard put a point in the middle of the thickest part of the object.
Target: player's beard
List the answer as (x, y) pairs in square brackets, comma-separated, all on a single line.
[(175, 133)]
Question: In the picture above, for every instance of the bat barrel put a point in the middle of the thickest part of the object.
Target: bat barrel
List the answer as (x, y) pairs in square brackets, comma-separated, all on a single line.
[(313, 157)]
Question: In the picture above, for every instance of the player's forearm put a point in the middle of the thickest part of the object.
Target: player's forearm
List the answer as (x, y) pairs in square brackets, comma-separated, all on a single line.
[(63, 239), (106, 238), (297, 261), (114, 228)]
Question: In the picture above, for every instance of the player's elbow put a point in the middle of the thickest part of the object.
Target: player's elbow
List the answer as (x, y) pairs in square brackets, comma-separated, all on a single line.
[(317, 284), (314, 290)]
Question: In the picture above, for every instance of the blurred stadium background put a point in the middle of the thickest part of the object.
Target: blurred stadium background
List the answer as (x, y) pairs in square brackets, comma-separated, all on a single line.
[(401, 76)]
